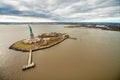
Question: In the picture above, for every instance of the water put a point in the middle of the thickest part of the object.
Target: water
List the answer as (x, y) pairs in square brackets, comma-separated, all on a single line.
[(95, 55)]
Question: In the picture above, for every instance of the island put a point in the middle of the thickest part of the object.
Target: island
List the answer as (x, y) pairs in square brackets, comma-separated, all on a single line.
[(42, 41)]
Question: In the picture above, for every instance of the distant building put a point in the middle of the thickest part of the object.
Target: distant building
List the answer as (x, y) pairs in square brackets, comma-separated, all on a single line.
[(101, 26)]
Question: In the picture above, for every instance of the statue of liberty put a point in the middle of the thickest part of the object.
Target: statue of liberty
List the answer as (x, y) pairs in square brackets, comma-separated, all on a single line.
[(31, 32)]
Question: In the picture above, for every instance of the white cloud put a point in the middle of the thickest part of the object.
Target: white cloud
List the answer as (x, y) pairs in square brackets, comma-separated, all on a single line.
[(6, 18), (65, 10), (109, 19)]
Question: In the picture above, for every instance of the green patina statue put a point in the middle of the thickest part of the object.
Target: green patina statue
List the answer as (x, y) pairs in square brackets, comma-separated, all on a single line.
[(30, 29)]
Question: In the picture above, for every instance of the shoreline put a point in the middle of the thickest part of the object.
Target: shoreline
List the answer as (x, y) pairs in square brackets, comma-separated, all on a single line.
[(102, 27)]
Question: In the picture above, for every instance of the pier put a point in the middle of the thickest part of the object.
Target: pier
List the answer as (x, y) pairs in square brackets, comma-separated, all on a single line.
[(30, 63), (72, 38)]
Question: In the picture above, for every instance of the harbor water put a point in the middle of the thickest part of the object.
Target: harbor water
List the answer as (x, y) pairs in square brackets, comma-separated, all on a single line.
[(94, 55)]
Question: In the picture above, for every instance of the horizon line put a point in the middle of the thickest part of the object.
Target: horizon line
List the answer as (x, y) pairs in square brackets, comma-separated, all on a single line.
[(57, 22)]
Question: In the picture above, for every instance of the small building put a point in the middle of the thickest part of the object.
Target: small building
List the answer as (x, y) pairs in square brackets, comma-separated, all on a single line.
[(45, 40), (30, 41)]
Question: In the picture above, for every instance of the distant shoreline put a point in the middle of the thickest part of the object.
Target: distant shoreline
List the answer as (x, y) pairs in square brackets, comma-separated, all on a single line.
[(58, 23), (111, 27)]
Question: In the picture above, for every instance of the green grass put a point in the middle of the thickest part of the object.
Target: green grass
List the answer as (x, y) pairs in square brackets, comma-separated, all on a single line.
[(20, 44)]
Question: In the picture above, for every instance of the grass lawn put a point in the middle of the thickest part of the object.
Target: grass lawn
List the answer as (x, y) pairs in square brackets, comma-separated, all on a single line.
[(20, 44)]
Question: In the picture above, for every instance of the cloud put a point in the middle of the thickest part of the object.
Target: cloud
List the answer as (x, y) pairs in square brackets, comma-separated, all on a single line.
[(62, 10), (109, 19), (6, 18)]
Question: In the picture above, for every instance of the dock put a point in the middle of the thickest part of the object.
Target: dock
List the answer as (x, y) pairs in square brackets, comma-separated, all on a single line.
[(30, 63), (73, 38)]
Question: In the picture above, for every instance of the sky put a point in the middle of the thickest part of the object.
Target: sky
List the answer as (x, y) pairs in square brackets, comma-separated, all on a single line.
[(59, 10)]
